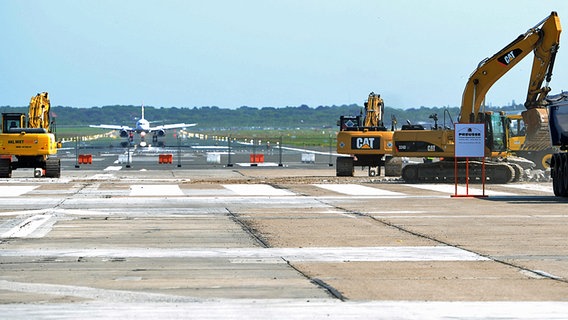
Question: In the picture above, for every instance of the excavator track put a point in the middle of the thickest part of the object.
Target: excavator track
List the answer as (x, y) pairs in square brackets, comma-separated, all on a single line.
[(559, 173), (444, 172), (53, 168), (5, 168)]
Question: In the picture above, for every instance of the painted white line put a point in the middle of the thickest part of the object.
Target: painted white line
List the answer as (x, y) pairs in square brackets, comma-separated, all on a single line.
[(357, 190), (107, 295), (450, 189), (27, 227), (14, 191), (155, 190), (22, 212), (113, 168), (119, 304), (313, 254), (103, 176), (257, 190), (264, 164)]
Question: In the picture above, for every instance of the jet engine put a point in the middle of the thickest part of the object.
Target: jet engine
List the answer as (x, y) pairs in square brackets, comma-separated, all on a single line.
[(123, 133), (161, 133)]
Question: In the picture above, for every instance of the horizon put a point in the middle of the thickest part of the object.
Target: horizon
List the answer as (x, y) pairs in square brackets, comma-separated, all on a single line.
[(511, 104)]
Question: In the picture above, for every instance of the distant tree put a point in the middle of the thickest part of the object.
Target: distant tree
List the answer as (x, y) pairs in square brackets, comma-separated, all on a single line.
[(209, 117)]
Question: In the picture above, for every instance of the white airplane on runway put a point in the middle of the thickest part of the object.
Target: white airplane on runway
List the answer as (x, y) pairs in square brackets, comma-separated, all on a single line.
[(142, 128)]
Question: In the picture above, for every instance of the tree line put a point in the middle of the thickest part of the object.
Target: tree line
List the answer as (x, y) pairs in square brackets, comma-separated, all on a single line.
[(244, 117)]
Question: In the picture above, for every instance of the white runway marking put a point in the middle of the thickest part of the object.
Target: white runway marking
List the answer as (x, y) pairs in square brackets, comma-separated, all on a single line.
[(264, 164), (155, 190), (27, 227), (257, 190), (120, 304), (14, 191), (450, 189), (312, 254), (113, 168), (357, 190), (103, 176)]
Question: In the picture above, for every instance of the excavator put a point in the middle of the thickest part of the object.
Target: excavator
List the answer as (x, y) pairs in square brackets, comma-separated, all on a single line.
[(28, 142), (365, 141), (543, 39)]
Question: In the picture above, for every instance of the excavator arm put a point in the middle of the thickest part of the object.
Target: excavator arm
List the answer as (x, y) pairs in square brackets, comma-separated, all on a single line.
[(543, 62), (543, 39), (374, 111), (38, 114)]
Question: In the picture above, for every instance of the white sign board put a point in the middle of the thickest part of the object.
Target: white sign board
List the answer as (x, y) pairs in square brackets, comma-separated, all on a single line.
[(470, 140)]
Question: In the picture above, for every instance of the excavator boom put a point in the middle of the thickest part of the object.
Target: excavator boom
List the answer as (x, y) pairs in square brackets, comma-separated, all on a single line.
[(543, 40)]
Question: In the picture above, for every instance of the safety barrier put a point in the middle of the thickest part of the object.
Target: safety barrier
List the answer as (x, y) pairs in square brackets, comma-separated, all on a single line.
[(257, 158), (165, 158), (85, 159)]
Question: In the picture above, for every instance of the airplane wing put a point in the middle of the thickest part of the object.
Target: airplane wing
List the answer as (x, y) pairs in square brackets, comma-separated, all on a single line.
[(113, 127), (173, 126)]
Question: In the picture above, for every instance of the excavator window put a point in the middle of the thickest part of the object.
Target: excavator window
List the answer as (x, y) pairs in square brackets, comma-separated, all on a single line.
[(10, 121), (496, 133), (517, 128)]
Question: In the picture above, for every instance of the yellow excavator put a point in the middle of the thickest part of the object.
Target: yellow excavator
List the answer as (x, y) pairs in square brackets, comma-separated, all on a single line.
[(543, 39), (365, 141), (28, 142)]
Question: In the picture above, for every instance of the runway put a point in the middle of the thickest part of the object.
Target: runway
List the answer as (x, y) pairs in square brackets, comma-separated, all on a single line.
[(289, 242)]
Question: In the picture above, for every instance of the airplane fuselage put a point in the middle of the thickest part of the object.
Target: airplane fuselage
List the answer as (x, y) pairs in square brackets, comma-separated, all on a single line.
[(142, 125)]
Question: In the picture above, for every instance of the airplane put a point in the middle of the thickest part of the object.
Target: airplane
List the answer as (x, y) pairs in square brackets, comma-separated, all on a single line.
[(142, 128)]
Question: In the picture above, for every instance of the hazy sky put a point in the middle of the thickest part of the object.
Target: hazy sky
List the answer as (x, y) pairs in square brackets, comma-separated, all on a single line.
[(262, 52)]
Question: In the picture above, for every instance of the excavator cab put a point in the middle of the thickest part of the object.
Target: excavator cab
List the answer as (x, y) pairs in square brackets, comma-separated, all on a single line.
[(496, 134), (13, 122)]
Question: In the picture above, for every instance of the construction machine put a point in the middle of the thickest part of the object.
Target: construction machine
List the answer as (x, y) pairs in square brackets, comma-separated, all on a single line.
[(543, 39), (365, 141), (28, 141)]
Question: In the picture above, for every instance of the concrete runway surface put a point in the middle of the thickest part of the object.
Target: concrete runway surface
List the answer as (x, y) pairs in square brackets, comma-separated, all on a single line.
[(288, 243)]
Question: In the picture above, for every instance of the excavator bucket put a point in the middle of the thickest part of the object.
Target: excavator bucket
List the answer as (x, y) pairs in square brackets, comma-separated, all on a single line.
[(537, 136)]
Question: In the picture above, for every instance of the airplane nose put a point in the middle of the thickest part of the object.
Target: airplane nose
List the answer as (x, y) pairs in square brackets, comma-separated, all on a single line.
[(142, 134)]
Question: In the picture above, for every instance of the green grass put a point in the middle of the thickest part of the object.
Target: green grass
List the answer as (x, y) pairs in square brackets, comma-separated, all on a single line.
[(68, 132), (290, 137)]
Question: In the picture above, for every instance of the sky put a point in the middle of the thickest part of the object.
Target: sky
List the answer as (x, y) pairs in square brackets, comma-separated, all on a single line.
[(263, 53)]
